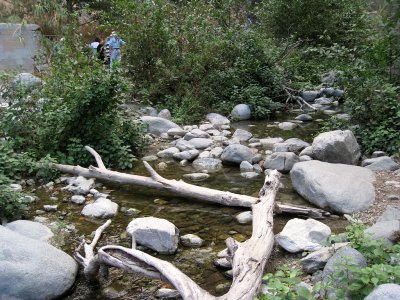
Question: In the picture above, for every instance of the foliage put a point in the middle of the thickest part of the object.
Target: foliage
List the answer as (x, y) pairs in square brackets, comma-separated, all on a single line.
[(284, 285), (316, 21), (10, 202)]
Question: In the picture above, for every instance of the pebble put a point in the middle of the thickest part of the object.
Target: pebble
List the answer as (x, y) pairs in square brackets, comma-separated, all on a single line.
[(50, 208)]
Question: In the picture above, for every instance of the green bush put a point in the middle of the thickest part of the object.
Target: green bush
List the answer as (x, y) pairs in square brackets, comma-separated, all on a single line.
[(10, 202)]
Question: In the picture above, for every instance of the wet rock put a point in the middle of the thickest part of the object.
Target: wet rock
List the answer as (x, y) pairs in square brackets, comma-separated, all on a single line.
[(249, 175), (23, 261), (304, 118), (241, 112), (208, 164), (287, 125), (155, 233), (157, 125), (309, 96), (236, 153), (130, 211), (33, 230), (101, 208), (387, 291), (50, 208), (186, 155), (336, 187), (245, 217), (242, 135), (336, 147), (299, 235), (196, 176), (217, 119), (168, 153), (281, 161), (223, 263), (245, 166), (191, 240), (168, 294), (382, 163), (78, 199)]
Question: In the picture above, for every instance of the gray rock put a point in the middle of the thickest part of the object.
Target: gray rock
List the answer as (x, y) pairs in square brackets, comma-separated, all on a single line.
[(304, 118), (329, 78), (236, 153), (287, 125), (376, 154), (208, 164), (387, 291), (307, 151), (206, 127), (269, 143), (324, 101), (257, 158), (33, 230), (391, 213), (201, 143), (80, 185), (78, 199), (241, 112), (184, 145), (149, 111), (28, 199), (309, 96), (150, 158), (249, 175), (291, 145), (216, 152), (130, 211), (168, 294), (31, 269), (205, 154), (281, 161), (157, 125), (245, 217), (242, 135), (336, 187), (176, 132), (186, 155), (336, 147), (257, 168), (344, 117), (165, 114), (317, 260), (223, 263), (196, 133), (196, 176), (217, 119), (155, 233), (382, 163), (338, 93), (191, 240), (245, 166), (387, 230), (16, 187), (101, 208), (305, 158), (50, 208), (299, 235), (168, 153)]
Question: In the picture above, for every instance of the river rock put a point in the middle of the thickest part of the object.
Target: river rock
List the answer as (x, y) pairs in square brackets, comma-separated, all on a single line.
[(268, 143), (168, 153), (101, 208), (78, 199), (290, 145), (236, 153), (299, 235), (176, 132), (205, 154), (241, 112), (184, 145), (165, 114), (281, 161), (387, 291), (191, 240), (249, 175), (150, 158), (245, 166), (376, 154), (317, 260), (208, 164), (309, 96), (168, 294), (242, 135), (391, 213), (196, 133), (387, 230), (157, 125), (186, 155), (245, 217), (80, 185), (340, 188), (382, 163), (287, 125), (336, 147), (148, 111), (324, 101), (201, 143), (155, 233), (15, 187), (33, 230), (304, 118), (206, 127), (217, 119), (31, 269), (216, 152), (196, 176), (307, 151)]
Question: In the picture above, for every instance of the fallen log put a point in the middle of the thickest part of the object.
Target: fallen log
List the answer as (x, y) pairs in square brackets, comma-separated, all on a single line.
[(181, 188), (248, 258)]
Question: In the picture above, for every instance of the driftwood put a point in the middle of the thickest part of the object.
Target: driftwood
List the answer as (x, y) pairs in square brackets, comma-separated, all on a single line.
[(181, 188), (291, 98), (248, 258)]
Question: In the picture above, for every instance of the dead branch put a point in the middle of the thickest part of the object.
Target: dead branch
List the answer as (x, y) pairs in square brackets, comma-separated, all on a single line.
[(299, 100)]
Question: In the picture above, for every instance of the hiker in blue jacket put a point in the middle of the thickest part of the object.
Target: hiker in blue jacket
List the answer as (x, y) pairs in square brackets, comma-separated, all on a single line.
[(115, 44)]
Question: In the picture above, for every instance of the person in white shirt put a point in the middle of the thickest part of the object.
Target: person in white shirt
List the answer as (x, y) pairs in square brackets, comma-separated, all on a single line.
[(94, 45)]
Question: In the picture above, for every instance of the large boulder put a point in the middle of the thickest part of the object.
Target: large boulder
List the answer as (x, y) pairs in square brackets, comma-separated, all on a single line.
[(31, 269), (281, 161), (158, 126), (382, 163), (241, 112), (299, 235), (236, 153), (387, 291), (165, 114), (155, 233), (336, 147), (340, 188), (101, 208), (31, 230)]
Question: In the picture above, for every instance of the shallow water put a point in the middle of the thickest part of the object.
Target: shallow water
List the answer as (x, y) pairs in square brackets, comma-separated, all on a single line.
[(213, 223)]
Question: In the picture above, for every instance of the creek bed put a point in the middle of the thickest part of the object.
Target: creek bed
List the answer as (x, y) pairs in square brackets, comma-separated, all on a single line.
[(212, 222)]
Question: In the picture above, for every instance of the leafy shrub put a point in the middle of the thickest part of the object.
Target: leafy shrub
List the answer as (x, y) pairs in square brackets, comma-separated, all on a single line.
[(10, 202), (14, 165)]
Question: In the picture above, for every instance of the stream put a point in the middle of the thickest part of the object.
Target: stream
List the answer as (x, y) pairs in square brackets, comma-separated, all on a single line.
[(212, 222)]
